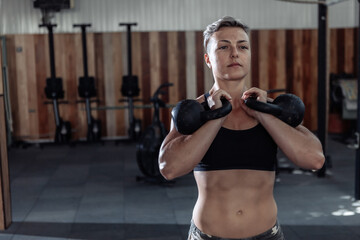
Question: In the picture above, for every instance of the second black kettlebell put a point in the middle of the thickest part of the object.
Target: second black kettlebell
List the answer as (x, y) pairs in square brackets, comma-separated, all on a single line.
[(287, 107), (189, 115)]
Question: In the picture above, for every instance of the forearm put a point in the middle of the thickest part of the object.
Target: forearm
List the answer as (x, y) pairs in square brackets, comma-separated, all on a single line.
[(179, 154), (300, 145)]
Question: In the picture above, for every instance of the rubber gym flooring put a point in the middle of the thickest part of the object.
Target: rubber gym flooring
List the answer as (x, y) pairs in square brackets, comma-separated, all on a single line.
[(90, 191)]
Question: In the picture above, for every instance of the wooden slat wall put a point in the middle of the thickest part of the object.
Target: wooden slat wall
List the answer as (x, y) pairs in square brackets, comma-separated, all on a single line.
[(5, 198), (1, 73), (280, 59), (287, 59), (343, 50)]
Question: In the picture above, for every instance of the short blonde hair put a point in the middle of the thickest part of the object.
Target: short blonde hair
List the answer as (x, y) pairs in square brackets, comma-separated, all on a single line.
[(222, 22)]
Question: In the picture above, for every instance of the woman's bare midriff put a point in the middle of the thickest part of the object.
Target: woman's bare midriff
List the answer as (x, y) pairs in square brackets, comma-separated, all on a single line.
[(235, 203)]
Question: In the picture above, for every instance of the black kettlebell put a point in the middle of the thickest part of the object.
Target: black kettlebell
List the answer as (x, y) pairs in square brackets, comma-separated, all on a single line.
[(287, 107), (189, 115)]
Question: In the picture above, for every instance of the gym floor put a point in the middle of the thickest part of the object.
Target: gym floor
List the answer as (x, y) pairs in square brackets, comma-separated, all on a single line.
[(90, 191)]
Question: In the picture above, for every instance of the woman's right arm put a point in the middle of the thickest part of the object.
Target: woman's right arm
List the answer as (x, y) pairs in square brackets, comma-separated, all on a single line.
[(179, 154)]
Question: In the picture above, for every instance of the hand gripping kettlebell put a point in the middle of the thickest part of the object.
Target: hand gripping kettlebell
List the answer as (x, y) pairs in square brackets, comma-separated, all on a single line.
[(287, 107), (189, 115)]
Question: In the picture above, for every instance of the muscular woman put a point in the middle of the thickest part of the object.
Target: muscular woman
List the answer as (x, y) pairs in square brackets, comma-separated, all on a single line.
[(233, 157)]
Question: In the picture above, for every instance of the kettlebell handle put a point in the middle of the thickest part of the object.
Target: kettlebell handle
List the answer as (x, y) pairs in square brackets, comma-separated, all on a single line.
[(267, 107), (217, 113)]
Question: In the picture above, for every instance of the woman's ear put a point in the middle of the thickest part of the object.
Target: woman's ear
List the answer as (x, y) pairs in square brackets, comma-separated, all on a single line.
[(207, 60)]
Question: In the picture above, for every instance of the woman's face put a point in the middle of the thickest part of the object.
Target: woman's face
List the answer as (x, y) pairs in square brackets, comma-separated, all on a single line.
[(229, 54)]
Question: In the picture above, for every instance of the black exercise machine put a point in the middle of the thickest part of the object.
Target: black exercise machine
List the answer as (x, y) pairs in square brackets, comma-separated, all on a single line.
[(148, 146), (54, 91), (130, 89), (343, 101), (87, 90)]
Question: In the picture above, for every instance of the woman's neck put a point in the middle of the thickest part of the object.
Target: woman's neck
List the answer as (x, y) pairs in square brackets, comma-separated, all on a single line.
[(234, 88)]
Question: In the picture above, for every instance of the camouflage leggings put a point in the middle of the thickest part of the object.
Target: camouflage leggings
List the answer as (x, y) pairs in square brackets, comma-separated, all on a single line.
[(275, 233)]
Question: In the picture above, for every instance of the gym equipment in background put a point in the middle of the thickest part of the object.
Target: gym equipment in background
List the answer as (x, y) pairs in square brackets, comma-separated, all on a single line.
[(130, 89), (87, 90), (54, 91), (343, 94), (148, 146)]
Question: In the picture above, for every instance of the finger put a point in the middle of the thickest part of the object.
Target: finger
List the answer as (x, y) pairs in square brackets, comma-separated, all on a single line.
[(258, 94), (226, 95), (214, 101), (250, 94)]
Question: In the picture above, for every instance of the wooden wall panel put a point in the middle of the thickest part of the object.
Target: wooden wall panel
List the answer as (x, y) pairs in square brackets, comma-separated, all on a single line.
[(350, 54), (155, 65), (99, 78), (5, 198), (159, 69), (115, 119), (311, 86), (264, 59), (340, 50), (41, 66), (173, 72), (109, 76), (164, 113), (22, 79), (121, 116), (254, 40), (191, 89), (298, 73), (155, 62), (356, 51), (182, 64), (200, 68), (309, 81), (10, 42), (279, 81), (280, 59), (81, 123), (146, 78), (301, 70), (343, 50), (32, 98), (1, 73), (333, 51), (137, 68)]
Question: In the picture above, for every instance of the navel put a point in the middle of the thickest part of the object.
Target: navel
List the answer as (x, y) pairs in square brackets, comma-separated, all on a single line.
[(239, 212)]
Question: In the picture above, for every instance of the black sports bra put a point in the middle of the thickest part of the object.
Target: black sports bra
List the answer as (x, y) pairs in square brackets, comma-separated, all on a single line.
[(240, 149)]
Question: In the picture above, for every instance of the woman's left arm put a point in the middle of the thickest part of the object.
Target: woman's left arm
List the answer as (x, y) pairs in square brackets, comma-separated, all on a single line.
[(299, 144)]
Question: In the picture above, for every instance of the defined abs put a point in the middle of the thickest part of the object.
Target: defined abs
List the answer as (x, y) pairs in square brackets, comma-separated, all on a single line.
[(234, 218)]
